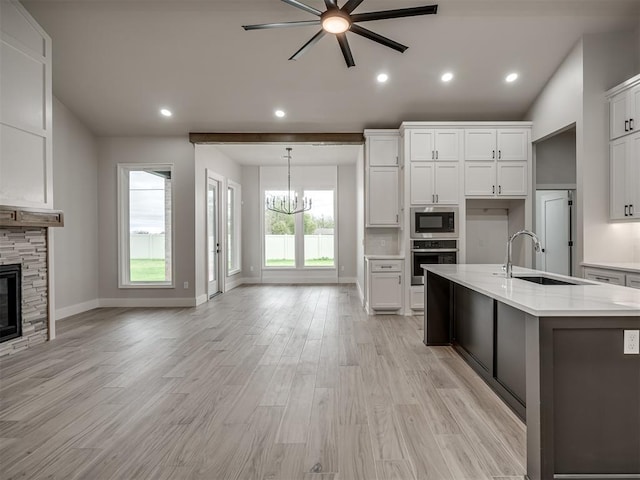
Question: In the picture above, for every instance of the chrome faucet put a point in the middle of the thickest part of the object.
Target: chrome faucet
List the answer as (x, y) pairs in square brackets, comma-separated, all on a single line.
[(534, 237)]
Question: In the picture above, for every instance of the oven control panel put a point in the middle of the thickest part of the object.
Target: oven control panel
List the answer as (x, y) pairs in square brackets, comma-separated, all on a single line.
[(434, 244)]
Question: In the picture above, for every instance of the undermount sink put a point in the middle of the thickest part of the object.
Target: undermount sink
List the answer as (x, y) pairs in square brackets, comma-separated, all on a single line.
[(544, 280)]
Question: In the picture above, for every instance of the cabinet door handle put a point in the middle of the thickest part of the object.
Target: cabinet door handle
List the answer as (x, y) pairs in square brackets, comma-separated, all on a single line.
[(499, 154), (433, 154), (399, 279), (437, 198), (493, 189), (631, 210), (397, 218), (493, 154), (397, 160), (499, 189), (626, 210), (436, 154), (631, 124), (626, 125), (385, 266), (433, 198), (603, 279)]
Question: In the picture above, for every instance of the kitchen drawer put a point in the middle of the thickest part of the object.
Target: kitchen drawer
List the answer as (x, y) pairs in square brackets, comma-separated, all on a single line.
[(386, 265), (417, 297), (604, 276), (633, 281)]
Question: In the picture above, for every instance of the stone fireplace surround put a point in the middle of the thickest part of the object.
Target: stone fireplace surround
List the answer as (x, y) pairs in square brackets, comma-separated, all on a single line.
[(24, 241)]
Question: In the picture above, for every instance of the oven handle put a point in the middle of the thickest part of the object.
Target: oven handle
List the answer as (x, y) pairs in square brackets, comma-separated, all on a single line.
[(434, 250)]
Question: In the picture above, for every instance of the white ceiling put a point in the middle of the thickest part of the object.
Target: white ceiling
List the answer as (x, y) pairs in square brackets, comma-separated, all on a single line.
[(301, 154), (115, 63)]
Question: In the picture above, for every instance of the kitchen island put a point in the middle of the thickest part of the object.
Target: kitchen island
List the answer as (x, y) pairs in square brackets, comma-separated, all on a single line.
[(554, 353)]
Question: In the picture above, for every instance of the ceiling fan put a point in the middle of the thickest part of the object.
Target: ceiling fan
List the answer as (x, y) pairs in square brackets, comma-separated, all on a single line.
[(338, 21)]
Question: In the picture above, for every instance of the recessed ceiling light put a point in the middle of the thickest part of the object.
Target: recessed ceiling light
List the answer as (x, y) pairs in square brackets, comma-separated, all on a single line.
[(165, 112), (382, 77), (280, 113), (512, 77), (447, 77)]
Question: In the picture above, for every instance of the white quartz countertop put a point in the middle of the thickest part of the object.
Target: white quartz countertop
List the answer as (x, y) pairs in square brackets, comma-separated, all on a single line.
[(588, 299), (384, 257), (631, 267)]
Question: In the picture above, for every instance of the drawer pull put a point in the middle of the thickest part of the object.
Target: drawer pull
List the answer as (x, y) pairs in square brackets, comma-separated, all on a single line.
[(603, 279)]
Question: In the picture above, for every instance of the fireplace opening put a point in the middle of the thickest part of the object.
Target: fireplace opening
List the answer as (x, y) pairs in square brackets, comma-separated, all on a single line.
[(10, 302)]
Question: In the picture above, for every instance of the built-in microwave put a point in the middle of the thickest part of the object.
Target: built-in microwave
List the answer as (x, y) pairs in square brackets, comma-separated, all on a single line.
[(434, 222)]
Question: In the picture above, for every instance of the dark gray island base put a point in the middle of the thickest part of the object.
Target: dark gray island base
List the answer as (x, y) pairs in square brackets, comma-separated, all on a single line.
[(565, 376)]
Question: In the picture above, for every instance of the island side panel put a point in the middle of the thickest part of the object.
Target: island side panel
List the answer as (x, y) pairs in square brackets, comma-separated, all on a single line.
[(589, 397), (438, 308)]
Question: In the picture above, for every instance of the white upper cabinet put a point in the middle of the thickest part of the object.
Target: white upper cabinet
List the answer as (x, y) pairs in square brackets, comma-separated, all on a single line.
[(382, 178), (624, 109), (512, 179), (447, 184), (480, 179), (480, 144), (382, 150), (624, 202), (496, 144), (495, 179), (427, 145), (422, 183)]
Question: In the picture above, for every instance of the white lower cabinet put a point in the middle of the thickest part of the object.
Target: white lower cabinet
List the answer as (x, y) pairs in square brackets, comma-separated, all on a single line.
[(601, 275), (417, 297), (386, 285), (633, 281)]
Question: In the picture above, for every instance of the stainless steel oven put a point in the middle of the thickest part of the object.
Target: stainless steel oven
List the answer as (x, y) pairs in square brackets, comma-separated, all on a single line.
[(434, 222), (432, 252)]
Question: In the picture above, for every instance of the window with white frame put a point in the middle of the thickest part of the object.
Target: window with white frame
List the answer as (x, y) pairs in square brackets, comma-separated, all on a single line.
[(145, 225), (234, 201), (304, 240)]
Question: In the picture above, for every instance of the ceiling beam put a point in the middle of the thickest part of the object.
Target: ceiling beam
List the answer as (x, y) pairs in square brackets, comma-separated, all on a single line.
[(313, 138)]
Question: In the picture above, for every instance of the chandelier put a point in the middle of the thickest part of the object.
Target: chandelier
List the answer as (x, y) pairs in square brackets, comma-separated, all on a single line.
[(286, 203)]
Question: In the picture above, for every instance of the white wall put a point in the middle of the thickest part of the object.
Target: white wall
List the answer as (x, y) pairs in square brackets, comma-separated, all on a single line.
[(75, 186), (609, 59), (179, 152), (556, 160), (575, 94), (208, 157), (360, 278), (251, 233), (347, 231)]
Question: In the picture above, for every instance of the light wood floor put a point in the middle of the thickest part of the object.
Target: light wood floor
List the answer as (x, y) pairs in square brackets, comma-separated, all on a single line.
[(263, 382)]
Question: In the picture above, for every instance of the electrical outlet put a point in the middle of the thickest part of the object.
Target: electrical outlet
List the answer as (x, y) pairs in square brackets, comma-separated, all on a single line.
[(383, 243), (632, 342), (342, 268), (185, 285)]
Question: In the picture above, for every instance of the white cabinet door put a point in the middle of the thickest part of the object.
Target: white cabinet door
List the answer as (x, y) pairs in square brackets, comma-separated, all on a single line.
[(447, 183), (447, 145), (480, 178), (619, 115), (422, 183), (634, 109), (421, 145), (513, 144), (383, 197), (480, 144), (633, 176), (512, 178), (382, 150), (386, 291), (618, 206)]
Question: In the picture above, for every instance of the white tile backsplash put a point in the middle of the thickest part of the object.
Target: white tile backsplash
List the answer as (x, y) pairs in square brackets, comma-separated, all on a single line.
[(381, 241)]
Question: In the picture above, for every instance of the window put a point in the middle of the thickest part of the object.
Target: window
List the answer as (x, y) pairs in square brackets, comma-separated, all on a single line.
[(145, 225), (279, 235), (233, 228), (319, 228)]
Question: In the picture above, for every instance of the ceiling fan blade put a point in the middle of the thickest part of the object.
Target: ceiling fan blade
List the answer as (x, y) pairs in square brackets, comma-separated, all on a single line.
[(308, 45), (351, 5), (263, 26), (330, 4), (398, 13), (346, 49), (302, 6), (387, 42)]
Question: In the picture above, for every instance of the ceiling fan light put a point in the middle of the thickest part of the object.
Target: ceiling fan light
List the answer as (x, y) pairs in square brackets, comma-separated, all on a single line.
[(335, 22)]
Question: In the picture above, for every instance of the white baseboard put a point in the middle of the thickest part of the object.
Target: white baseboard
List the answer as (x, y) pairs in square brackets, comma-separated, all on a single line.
[(301, 280), (233, 282), (200, 299), (346, 279), (147, 302), (65, 312)]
